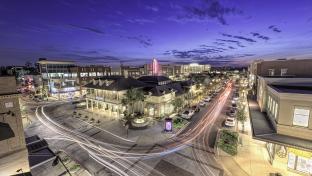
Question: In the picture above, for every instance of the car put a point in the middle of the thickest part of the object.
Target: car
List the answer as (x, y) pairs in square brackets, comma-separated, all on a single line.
[(231, 113), (187, 114), (207, 99), (195, 108), (235, 98), (234, 105), (230, 122), (202, 103)]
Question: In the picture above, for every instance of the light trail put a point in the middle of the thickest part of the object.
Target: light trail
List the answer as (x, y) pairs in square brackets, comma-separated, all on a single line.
[(98, 149)]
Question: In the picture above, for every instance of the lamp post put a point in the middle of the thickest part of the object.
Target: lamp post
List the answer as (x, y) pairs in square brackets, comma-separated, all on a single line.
[(56, 161)]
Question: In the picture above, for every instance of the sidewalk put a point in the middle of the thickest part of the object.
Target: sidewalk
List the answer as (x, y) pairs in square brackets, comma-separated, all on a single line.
[(252, 158)]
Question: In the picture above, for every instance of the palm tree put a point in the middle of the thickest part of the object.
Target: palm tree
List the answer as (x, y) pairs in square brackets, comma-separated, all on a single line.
[(131, 97), (241, 116), (177, 103)]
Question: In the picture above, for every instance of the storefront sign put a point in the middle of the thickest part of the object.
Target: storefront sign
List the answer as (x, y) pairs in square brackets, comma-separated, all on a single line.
[(300, 152)]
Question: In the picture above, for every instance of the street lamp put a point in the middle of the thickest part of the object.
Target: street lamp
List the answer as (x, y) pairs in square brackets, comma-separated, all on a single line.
[(56, 161)]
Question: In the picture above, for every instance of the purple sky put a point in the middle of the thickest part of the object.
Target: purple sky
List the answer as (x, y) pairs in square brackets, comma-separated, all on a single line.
[(135, 31)]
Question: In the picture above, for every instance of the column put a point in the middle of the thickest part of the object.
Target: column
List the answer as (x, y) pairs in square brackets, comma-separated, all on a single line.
[(92, 105), (87, 103)]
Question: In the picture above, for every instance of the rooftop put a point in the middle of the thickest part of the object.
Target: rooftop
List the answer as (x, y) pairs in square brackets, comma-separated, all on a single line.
[(116, 83), (154, 79), (38, 151), (299, 88)]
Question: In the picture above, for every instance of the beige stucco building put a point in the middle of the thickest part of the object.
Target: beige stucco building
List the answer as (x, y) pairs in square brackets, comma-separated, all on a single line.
[(281, 112), (105, 95), (13, 152)]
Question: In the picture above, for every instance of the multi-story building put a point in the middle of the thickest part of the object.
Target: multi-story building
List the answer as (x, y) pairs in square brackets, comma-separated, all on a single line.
[(87, 73), (280, 107), (64, 79), (195, 68), (105, 95), (132, 71), (160, 91), (13, 151), (177, 70), (58, 80)]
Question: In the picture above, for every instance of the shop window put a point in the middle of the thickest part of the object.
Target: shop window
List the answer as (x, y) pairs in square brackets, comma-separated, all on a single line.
[(301, 117), (303, 164), (291, 161)]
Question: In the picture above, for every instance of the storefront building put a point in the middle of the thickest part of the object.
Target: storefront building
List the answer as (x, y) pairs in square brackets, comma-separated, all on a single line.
[(281, 115), (105, 95)]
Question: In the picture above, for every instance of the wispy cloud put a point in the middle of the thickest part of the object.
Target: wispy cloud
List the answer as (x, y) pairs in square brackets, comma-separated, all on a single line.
[(274, 29), (238, 43), (152, 8), (141, 39), (140, 21), (211, 10), (89, 29), (239, 37), (255, 34)]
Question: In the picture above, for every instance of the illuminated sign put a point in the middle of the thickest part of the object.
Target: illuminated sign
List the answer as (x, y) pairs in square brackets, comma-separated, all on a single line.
[(168, 124)]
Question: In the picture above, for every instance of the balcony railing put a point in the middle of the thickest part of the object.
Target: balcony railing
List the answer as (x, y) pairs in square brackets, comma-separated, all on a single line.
[(104, 99)]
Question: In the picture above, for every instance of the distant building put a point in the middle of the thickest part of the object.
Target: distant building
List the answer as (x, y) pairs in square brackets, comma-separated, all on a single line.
[(58, 80), (87, 73), (64, 79), (13, 152), (281, 111), (132, 71)]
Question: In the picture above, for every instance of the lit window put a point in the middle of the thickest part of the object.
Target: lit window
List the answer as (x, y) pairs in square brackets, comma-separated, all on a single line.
[(301, 117), (283, 71), (275, 113), (291, 161), (303, 164), (9, 104), (271, 72)]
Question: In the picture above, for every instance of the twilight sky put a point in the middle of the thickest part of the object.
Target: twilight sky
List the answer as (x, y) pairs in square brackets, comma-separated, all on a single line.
[(225, 32)]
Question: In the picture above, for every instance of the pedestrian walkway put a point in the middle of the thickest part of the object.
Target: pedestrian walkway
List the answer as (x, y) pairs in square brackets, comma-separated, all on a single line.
[(252, 158)]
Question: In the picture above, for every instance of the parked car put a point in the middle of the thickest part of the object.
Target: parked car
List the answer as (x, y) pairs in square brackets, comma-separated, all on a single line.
[(207, 99), (187, 114), (230, 122), (234, 105), (235, 98), (202, 103), (195, 108), (231, 113)]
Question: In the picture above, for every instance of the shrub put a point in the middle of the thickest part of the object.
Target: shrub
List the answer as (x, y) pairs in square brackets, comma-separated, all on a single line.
[(228, 142)]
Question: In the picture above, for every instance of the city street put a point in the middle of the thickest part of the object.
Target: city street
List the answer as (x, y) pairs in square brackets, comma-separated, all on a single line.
[(102, 152)]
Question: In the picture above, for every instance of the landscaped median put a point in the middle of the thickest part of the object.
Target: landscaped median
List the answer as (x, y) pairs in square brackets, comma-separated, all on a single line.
[(179, 124), (228, 141)]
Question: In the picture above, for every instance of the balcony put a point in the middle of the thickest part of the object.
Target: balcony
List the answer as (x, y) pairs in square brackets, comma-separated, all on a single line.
[(108, 99)]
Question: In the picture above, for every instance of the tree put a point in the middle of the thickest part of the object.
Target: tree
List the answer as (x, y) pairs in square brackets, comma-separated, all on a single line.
[(177, 103), (241, 116), (132, 96)]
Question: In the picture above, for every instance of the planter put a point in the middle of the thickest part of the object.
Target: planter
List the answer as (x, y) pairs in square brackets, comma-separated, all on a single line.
[(139, 122)]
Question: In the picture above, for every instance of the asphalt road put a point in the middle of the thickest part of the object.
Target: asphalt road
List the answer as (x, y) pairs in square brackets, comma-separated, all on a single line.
[(101, 153)]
